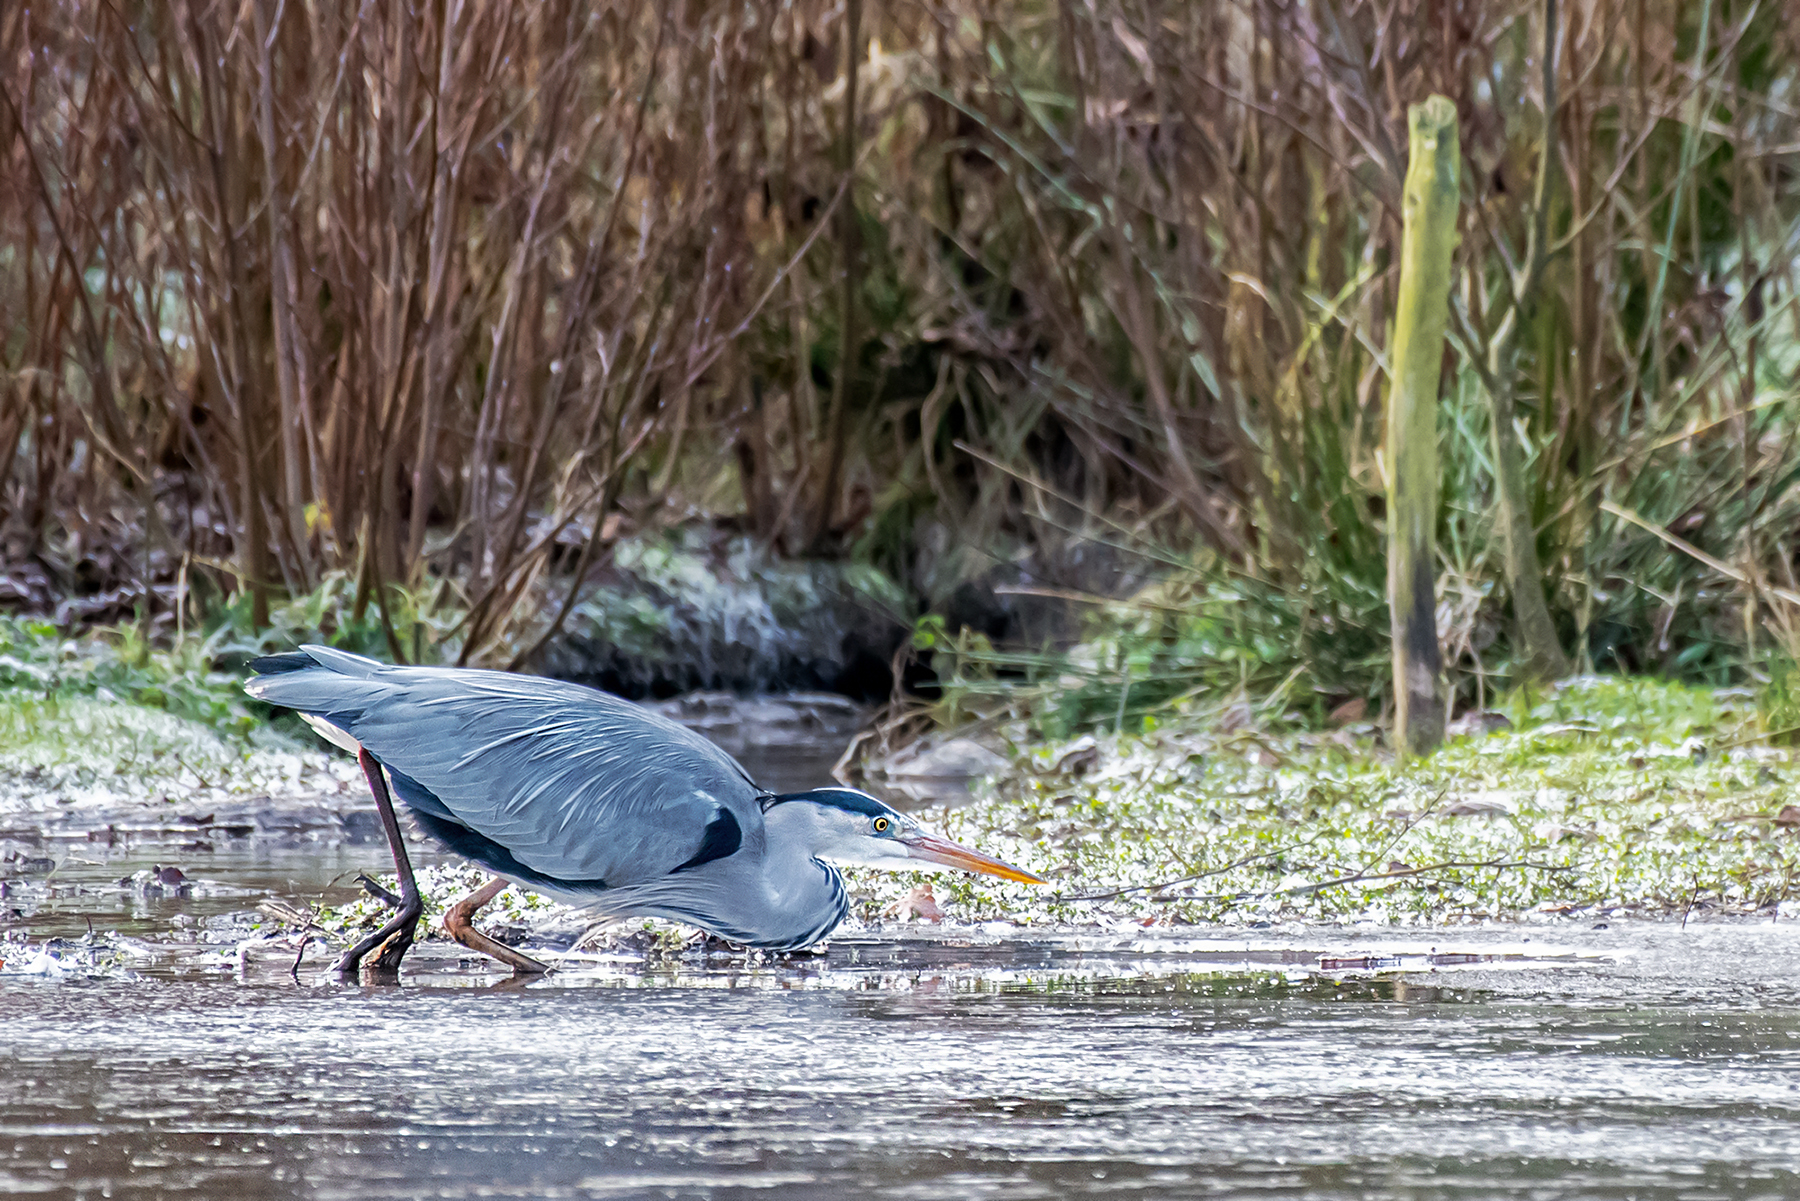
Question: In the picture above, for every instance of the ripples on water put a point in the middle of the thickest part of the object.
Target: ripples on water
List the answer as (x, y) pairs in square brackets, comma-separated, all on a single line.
[(1625, 1064)]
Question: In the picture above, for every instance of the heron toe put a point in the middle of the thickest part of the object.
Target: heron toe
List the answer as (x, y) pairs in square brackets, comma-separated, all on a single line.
[(457, 924)]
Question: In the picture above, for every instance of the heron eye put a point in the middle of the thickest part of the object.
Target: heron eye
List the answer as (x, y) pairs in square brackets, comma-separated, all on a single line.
[(881, 825)]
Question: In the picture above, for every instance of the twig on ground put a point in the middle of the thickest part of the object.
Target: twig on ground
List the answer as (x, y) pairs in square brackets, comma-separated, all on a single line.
[(377, 891), (1407, 873), (1160, 885), (1352, 878)]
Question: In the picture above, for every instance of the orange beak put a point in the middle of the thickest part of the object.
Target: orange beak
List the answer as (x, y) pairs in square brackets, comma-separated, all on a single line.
[(921, 844)]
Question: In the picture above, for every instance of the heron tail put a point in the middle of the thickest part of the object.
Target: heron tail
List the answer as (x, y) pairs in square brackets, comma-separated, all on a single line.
[(318, 679)]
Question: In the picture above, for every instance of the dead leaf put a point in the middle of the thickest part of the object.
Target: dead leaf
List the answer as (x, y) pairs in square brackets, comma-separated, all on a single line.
[(1354, 709), (1082, 757), (1236, 716), (919, 903), (1789, 816)]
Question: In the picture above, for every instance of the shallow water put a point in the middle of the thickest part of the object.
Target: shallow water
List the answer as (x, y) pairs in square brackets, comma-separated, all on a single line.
[(100, 888), (1643, 1061)]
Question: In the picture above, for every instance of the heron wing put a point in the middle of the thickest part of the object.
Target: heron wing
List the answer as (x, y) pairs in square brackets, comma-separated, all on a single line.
[(573, 783)]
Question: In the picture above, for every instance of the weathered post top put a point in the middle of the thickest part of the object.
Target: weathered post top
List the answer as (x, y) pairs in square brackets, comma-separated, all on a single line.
[(1421, 310)]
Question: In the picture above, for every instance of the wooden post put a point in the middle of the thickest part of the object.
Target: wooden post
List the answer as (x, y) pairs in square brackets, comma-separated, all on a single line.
[(1426, 245)]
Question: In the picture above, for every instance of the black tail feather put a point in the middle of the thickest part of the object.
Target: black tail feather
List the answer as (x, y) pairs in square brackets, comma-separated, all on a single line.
[(274, 665)]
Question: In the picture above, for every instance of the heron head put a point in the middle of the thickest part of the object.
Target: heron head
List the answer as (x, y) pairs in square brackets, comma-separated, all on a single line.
[(844, 826)]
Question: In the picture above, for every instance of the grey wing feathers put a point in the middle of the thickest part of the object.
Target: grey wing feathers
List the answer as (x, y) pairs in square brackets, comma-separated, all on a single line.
[(578, 785)]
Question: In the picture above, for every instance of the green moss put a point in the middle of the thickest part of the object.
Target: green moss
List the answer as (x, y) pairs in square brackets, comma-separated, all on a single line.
[(41, 668), (1606, 794), (100, 721)]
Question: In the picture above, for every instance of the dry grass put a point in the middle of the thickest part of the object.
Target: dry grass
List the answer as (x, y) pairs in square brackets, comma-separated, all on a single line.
[(457, 292)]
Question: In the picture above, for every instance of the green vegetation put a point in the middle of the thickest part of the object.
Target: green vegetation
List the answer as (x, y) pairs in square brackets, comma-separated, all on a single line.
[(1605, 794), (1209, 642), (99, 727), (197, 677), (43, 671), (80, 763), (1060, 332)]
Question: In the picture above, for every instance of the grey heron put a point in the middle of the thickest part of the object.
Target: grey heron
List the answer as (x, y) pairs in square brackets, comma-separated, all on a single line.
[(590, 799)]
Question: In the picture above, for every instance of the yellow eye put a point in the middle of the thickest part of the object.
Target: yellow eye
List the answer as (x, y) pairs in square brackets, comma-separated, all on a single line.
[(881, 825)]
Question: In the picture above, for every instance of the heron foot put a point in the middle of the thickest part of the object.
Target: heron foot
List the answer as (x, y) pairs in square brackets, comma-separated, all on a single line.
[(391, 941), (457, 924)]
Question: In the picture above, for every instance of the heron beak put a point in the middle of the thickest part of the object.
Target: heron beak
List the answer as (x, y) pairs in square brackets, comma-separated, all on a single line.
[(922, 844)]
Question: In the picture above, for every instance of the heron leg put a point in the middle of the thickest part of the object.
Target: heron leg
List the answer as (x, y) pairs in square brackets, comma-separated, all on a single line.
[(456, 925), (396, 935)]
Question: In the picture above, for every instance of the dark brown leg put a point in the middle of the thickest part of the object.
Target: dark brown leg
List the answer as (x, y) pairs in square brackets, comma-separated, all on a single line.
[(397, 935), (456, 925)]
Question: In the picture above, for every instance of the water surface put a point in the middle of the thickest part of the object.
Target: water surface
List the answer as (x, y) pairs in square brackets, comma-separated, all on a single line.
[(1641, 1062)]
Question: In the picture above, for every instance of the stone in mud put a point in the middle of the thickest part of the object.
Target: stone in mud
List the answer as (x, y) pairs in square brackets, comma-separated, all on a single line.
[(961, 759), (701, 610), (1079, 758), (939, 774), (1478, 723)]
